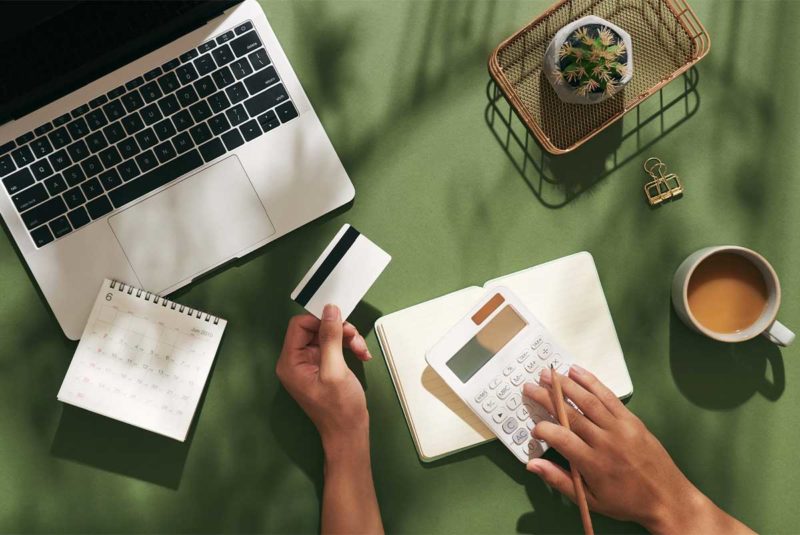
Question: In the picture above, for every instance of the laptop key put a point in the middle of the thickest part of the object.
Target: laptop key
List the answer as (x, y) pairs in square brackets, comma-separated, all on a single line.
[(200, 111), (245, 43), (259, 59), (250, 130), (42, 147), (146, 138), (182, 142), (182, 120), (80, 110), (169, 105), (152, 74), (114, 110), (59, 138), (200, 133), (132, 102), (110, 179), (55, 185), (44, 212), (6, 165), (236, 93), (128, 170), (204, 64), (78, 150), (205, 86), (151, 114), (164, 151), (60, 226), (78, 128), (286, 111), (116, 92), (30, 197), (190, 55), (187, 96), (212, 149), (241, 68), (96, 141), (133, 84), (218, 101), (243, 27), (156, 178), (164, 129), (225, 37), (208, 45), (24, 138), (74, 175), (110, 157), (219, 124), (171, 64), (91, 166), (223, 55), (168, 83), (146, 161), (7, 147), (99, 207), (223, 77), (22, 156), (266, 100), (59, 160), (42, 236), (232, 139), (92, 188), (132, 123), (114, 132), (62, 119), (42, 130), (150, 91), (99, 101), (261, 80), (237, 115), (186, 73), (41, 169), (78, 217), (96, 119), (19, 180), (128, 148), (74, 197)]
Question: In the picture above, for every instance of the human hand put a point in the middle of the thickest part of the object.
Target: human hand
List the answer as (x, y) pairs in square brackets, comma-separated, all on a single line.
[(628, 474), (313, 371)]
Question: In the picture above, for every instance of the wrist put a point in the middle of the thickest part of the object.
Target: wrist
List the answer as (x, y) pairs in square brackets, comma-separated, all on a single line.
[(682, 512), (346, 446)]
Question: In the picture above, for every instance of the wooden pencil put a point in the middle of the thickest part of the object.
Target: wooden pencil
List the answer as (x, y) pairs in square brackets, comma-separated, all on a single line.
[(580, 494)]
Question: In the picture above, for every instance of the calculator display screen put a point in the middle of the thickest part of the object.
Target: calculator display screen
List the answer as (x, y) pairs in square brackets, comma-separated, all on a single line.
[(492, 337)]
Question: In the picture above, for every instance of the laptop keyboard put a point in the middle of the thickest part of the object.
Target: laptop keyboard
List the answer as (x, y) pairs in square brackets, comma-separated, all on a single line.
[(144, 134)]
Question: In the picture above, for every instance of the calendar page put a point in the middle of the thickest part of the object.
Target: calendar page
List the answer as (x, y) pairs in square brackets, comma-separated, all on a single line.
[(143, 360)]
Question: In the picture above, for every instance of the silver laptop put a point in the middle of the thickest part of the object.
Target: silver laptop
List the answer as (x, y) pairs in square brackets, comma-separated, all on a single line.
[(200, 150)]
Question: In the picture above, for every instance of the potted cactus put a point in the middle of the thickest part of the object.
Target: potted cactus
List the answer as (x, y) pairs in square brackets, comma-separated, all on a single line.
[(589, 60)]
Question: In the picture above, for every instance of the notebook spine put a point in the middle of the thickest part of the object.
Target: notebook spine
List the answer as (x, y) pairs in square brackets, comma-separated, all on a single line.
[(163, 301)]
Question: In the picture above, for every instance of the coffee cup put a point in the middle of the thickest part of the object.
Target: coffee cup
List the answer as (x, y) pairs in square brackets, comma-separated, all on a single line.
[(730, 294)]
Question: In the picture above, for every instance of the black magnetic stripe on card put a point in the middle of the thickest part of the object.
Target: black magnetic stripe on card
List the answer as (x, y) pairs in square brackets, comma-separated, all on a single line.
[(328, 265)]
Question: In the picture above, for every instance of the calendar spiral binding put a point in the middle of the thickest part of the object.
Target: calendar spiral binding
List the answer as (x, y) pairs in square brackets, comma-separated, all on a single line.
[(127, 288)]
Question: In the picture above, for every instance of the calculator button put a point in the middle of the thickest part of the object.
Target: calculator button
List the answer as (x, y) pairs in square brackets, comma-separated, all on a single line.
[(526, 448), (489, 405), (510, 424), (556, 360), (529, 424), (544, 351), (514, 402), (523, 356), (504, 391), (536, 448), (508, 370), (499, 415), (517, 378), (530, 366), (523, 413), (537, 342), (481, 396), (520, 435), (564, 369), (494, 383)]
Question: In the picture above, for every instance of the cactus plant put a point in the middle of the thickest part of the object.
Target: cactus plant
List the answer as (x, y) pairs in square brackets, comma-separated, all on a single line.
[(589, 60)]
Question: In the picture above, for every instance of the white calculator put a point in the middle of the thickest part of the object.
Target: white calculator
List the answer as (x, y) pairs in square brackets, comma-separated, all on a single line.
[(487, 357)]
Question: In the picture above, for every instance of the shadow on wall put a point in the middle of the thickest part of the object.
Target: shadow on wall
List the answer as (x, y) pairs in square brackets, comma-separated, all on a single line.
[(558, 180)]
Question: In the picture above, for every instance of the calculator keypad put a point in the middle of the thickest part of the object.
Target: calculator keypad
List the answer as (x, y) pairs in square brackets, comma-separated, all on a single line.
[(501, 398)]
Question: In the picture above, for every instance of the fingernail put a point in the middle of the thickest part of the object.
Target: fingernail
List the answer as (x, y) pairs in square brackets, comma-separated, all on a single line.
[(330, 312), (577, 369), (545, 377), (369, 355)]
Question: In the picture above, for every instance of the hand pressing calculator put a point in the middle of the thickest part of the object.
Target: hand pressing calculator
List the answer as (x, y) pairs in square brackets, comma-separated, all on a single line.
[(487, 357)]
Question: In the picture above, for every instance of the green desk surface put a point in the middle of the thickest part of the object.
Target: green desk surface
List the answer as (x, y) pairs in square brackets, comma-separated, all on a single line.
[(401, 88)]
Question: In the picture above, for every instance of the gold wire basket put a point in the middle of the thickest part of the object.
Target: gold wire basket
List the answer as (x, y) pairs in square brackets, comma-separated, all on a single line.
[(667, 40)]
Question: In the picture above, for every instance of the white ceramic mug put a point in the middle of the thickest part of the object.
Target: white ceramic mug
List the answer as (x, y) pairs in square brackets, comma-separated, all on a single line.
[(766, 324)]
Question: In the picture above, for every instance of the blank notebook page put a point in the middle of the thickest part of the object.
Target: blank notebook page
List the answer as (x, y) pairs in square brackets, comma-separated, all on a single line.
[(142, 360)]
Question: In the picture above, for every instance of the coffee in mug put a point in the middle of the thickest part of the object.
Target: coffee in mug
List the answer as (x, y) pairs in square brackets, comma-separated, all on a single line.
[(730, 294)]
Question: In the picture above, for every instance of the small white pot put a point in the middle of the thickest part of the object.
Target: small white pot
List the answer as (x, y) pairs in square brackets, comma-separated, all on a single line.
[(565, 91)]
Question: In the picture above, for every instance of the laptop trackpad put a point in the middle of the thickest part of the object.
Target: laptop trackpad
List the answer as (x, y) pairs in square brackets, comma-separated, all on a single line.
[(192, 226)]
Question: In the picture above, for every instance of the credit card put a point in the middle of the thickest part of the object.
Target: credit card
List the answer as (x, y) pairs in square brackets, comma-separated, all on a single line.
[(343, 273)]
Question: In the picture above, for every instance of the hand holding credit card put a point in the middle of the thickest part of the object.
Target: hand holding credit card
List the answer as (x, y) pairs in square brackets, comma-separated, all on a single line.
[(343, 273)]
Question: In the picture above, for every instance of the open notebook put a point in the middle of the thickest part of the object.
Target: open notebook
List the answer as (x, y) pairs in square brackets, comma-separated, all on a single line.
[(565, 295)]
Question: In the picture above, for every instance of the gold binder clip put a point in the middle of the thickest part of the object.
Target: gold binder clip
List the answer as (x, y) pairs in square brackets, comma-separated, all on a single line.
[(664, 186)]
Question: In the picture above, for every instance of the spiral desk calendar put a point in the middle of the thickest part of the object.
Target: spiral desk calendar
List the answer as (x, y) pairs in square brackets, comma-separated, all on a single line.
[(143, 360)]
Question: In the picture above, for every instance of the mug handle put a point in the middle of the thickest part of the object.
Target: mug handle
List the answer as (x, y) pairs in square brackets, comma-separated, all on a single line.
[(779, 334)]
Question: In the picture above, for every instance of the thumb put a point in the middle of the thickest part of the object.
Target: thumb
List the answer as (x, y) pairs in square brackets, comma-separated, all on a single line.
[(332, 363), (554, 476)]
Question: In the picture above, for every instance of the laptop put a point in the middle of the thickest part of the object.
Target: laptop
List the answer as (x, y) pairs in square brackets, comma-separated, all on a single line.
[(151, 142)]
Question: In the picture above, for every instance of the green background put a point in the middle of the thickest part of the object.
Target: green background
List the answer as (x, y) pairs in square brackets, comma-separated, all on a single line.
[(401, 88)]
